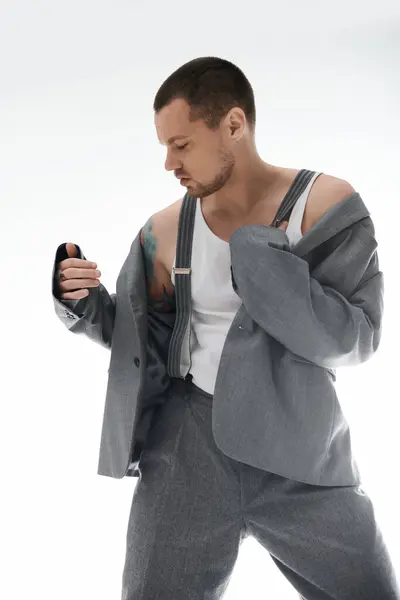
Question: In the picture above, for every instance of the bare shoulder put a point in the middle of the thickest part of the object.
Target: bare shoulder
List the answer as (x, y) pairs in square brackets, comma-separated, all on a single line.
[(326, 191), (330, 190), (162, 227), (169, 216), (158, 240)]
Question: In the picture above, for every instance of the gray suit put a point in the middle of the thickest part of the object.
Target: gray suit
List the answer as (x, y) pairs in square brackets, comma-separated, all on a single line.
[(268, 455), (305, 311)]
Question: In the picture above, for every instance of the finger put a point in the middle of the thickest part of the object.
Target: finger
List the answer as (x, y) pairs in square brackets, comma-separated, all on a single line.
[(76, 284), (76, 262), (72, 291), (78, 273), (75, 295)]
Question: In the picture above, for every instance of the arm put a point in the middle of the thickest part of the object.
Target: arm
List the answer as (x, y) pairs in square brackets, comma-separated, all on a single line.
[(93, 315), (333, 321)]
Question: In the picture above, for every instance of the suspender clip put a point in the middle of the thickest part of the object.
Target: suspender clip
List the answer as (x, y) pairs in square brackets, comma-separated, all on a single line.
[(182, 270)]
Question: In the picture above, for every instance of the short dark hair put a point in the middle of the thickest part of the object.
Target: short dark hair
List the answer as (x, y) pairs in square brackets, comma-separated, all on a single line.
[(212, 87)]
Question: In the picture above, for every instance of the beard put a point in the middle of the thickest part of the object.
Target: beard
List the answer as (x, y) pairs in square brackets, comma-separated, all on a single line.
[(227, 162)]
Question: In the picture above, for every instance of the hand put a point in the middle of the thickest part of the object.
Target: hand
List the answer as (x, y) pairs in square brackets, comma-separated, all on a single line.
[(75, 274)]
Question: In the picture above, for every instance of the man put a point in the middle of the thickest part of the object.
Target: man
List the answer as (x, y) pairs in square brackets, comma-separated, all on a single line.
[(233, 413)]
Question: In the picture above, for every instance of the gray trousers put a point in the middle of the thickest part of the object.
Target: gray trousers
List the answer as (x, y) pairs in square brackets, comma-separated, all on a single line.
[(193, 506)]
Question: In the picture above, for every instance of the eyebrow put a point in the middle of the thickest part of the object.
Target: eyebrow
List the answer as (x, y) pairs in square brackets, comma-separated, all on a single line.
[(173, 138)]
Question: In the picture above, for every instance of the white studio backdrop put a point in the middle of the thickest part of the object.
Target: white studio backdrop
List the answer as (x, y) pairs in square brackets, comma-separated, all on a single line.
[(80, 162)]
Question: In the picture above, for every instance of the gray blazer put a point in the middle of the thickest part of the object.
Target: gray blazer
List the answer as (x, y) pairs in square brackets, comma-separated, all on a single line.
[(305, 311)]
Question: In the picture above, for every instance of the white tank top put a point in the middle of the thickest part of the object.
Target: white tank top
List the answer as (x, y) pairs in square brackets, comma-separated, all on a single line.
[(214, 302)]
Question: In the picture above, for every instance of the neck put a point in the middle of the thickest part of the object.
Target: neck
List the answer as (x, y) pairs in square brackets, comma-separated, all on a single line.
[(251, 181)]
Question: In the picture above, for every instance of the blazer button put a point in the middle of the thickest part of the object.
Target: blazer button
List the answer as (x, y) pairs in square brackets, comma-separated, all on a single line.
[(136, 361)]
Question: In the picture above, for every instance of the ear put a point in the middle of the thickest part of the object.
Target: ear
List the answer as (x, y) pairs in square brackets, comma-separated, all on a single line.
[(235, 123)]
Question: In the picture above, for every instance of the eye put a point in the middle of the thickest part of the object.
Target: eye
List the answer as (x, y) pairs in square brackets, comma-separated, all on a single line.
[(182, 147)]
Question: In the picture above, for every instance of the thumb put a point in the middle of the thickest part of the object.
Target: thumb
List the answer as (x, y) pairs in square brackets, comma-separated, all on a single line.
[(72, 250)]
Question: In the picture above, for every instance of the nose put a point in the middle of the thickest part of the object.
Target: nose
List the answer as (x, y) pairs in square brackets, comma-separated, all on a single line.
[(172, 163)]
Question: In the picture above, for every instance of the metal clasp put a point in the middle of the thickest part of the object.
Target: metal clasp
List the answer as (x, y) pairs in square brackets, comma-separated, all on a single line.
[(182, 270)]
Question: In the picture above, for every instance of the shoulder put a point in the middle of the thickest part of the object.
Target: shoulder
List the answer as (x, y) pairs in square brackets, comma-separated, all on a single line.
[(326, 191), (161, 223), (329, 190)]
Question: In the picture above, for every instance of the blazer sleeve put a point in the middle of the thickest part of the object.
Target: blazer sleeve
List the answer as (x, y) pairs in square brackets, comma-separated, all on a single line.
[(332, 319)]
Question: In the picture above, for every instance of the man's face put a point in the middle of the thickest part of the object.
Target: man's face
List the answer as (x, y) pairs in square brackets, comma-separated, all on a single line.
[(201, 155)]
